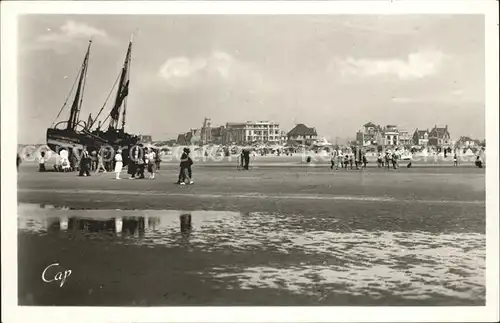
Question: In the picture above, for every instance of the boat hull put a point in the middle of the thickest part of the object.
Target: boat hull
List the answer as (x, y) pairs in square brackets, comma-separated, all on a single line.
[(68, 139), (58, 139), (117, 139)]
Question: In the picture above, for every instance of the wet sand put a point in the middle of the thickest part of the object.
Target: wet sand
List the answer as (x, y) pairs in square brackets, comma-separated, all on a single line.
[(277, 236)]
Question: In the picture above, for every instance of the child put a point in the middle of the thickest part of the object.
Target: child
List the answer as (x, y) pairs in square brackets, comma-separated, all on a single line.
[(41, 162), (118, 163), (65, 165)]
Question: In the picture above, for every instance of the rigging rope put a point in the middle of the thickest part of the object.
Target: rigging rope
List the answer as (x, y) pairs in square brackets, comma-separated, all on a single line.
[(67, 98), (105, 102)]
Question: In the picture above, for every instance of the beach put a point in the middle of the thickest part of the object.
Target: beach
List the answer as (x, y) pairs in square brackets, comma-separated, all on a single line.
[(282, 233)]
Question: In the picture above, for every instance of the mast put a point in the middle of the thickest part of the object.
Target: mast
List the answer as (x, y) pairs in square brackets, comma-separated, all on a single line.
[(122, 91), (128, 78), (75, 107), (89, 121)]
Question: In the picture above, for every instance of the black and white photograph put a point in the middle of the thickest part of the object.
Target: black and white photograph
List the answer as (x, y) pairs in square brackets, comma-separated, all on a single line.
[(176, 159)]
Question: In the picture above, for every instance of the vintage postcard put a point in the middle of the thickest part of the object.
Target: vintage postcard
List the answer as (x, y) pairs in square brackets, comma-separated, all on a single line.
[(250, 161)]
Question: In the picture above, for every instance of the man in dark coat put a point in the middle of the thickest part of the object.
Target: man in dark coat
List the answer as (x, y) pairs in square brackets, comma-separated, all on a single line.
[(132, 163), (246, 158)]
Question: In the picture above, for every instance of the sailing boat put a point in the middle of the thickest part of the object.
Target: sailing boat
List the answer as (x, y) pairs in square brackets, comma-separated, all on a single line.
[(73, 133)]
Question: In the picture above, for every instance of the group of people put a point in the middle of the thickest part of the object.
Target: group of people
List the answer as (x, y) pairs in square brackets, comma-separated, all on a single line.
[(357, 159), (390, 159), (142, 159), (348, 160)]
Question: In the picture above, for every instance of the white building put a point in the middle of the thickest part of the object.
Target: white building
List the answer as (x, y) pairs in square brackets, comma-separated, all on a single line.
[(391, 135), (405, 138), (252, 132)]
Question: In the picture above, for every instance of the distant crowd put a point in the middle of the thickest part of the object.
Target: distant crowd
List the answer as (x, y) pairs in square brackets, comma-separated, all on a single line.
[(140, 159)]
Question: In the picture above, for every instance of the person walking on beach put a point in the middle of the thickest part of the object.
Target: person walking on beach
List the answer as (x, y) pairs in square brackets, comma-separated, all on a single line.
[(118, 163), (387, 160), (94, 161), (184, 173), (140, 158), (364, 160), (190, 170), (380, 160), (132, 162), (100, 164), (84, 163), (455, 160), (150, 161), (395, 157), (157, 159), (351, 159), (41, 162), (340, 160), (246, 158), (479, 162), (357, 157), (332, 159), (241, 160)]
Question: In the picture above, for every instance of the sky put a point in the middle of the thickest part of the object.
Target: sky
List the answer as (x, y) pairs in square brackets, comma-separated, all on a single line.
[(331, 72)]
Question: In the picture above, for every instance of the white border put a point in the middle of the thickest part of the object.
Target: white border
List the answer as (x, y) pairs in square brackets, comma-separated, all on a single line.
[(12, 313)]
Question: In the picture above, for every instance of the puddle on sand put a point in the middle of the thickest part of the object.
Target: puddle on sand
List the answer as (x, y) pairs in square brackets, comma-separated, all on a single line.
[(412, 265)]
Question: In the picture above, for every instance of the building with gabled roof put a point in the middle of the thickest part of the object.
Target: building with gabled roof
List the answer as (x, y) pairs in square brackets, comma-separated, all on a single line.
[(302, 134), (421, 137), (467, 142), (370, 134), (439, 136)]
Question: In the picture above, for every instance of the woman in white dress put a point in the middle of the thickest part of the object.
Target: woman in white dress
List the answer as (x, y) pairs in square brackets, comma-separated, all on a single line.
[(118, 163)]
